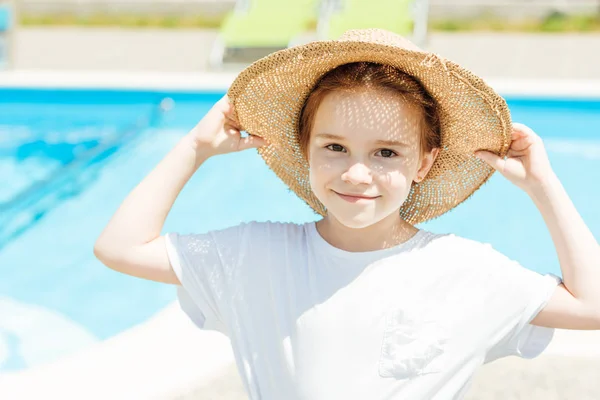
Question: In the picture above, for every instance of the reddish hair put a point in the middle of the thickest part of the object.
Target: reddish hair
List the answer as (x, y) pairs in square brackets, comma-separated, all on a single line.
[(376, 76)]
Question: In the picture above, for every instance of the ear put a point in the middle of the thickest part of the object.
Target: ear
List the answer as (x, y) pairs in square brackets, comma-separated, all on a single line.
[(426, 163)]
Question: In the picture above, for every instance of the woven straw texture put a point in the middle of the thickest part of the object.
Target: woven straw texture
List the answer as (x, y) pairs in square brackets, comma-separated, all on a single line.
[(268, 97)]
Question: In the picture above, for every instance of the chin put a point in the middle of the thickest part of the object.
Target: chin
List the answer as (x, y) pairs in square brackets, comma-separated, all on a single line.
[(355, 221)]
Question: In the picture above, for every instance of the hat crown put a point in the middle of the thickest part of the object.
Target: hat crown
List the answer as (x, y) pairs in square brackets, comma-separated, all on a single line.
[(378, 36)]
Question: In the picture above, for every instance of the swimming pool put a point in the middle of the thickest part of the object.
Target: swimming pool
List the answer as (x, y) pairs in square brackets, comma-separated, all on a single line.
[(56, 298)]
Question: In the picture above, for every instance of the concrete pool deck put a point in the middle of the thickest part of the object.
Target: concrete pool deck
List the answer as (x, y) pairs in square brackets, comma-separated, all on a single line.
[(167, 357), (514, 55)]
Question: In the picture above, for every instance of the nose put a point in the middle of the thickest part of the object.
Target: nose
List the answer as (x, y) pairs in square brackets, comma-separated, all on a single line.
[(358, 173)]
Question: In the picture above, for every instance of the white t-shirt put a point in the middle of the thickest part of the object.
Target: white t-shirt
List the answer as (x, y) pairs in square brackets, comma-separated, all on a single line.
[(313, 322)]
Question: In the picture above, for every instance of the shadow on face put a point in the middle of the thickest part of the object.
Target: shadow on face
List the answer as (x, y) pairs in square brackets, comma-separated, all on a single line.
[(364, 153)]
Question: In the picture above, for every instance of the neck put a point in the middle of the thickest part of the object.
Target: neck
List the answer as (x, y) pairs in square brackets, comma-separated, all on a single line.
[(389, 232)]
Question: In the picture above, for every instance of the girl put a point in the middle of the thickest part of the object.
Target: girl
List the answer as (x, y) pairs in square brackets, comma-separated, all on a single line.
[(376, 136)]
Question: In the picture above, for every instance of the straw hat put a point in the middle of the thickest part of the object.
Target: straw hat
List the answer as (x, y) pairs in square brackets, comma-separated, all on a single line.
[(268, 97)]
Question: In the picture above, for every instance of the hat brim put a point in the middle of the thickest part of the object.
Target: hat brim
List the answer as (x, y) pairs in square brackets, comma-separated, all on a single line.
[(268, 97)]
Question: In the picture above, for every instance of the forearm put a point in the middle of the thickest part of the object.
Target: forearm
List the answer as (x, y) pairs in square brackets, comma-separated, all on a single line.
[(577, 249), (141, 216)]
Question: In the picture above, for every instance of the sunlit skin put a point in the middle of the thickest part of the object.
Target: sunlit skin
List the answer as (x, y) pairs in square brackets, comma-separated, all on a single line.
[(364, 154)]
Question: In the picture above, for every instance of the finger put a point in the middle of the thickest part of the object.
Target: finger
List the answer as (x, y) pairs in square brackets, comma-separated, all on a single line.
[(491, 159), (517, 134), (232, 130), (230, 125), (521, 130), (233, 122), (231, 117), (252, 141), (224, 104), (515, 154), (521, 144), (230, 107)]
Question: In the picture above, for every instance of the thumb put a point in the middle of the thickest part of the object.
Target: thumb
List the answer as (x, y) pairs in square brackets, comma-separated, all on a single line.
[(491, 159), (251, 141)]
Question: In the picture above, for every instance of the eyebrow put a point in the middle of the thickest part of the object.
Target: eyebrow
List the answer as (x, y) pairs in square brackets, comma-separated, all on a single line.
[(378, 142)]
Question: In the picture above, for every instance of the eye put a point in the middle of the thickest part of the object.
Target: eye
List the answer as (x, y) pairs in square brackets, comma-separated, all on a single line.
[(335, 147), (387, 153)]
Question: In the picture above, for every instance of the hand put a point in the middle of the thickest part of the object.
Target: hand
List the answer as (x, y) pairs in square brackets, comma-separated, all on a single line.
[(219, 133), (526, 163)]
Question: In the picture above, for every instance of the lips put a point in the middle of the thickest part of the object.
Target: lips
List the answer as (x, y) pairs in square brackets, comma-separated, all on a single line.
[(355, 197), (358, 196)]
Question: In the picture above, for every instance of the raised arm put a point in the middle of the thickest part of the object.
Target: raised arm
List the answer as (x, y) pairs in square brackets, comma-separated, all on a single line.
[(131, 242), (575, 303)]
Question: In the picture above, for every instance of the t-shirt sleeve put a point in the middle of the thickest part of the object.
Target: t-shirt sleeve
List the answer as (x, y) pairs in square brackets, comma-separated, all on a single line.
[(518, 294), (206, 265)]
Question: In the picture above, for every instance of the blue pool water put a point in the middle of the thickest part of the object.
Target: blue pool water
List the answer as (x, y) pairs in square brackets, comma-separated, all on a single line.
[(56, 298)]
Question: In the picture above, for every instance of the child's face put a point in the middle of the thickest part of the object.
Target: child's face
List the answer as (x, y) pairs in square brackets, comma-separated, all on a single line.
[(365, 143)]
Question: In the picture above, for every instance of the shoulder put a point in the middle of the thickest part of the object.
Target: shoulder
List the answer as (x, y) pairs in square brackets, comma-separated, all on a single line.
[(244, 232), (273, 227), (459, 249), (451, 243), (253, 231)]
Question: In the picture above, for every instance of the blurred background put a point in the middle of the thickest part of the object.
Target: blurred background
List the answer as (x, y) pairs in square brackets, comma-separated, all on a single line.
[(93, 93), (192, 35)]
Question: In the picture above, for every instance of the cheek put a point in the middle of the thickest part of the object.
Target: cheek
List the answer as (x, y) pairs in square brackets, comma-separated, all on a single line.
[(321, 165), (395, 182), (321, 176), (397, 172), (319, 170)]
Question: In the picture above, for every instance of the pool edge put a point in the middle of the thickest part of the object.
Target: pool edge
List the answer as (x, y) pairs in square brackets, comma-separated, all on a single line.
[(222, 80)]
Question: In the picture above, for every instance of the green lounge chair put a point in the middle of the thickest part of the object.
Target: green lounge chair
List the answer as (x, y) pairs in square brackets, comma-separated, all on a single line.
[(258, 27), (393, 15)]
